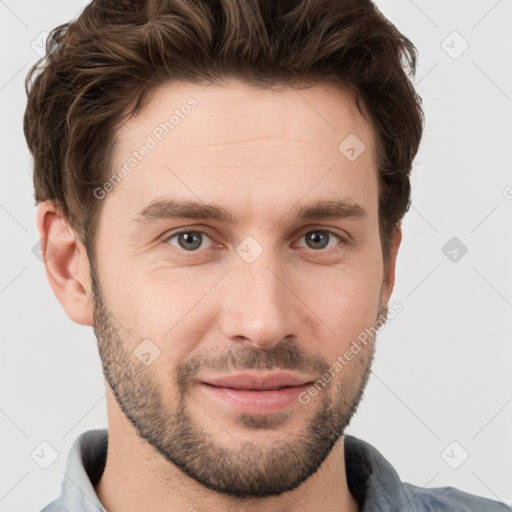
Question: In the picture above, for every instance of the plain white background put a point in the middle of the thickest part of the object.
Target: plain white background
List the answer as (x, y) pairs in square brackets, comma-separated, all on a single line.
[(441, 383)]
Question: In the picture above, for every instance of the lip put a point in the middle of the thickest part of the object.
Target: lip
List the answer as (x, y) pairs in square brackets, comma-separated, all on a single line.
[(258, 382), (256, 394)]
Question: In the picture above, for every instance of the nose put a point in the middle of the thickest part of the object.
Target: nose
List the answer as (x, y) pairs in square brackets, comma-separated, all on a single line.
[(259, 304)]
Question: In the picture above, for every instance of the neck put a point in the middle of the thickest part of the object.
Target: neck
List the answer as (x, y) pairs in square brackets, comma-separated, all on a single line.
[(137, 478)]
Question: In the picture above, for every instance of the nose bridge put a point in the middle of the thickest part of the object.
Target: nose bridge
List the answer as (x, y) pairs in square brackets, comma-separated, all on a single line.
[(258, 305)]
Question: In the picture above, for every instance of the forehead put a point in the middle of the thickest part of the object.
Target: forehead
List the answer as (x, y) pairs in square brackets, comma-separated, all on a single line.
[(244, 145), (235, 111)]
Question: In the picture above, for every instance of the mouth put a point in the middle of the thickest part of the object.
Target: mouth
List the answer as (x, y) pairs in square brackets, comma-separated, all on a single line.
[(258, 382), (257, 394)]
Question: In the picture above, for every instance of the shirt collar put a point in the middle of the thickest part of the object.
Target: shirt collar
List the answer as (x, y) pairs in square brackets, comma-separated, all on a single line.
[(372, 480), (84, 467)]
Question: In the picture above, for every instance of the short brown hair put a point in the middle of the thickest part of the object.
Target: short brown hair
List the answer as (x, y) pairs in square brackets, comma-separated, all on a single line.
[(100, 68)]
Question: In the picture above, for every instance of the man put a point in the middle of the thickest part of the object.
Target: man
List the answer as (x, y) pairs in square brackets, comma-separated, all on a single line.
[(221, 184)]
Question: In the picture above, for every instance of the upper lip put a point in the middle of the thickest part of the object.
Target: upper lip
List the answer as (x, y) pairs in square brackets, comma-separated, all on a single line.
[(273, 380)]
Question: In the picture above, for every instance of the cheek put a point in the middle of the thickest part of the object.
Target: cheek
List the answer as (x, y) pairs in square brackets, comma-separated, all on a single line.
[(346, 300), (164, 306)]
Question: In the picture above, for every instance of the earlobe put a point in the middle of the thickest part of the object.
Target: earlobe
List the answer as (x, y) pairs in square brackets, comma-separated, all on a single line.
[(66, 263)]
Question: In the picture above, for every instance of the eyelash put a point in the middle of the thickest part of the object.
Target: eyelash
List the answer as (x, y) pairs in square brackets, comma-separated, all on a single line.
[(199, 230)]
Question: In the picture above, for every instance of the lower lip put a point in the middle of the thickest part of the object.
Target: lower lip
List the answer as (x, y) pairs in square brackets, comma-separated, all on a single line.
[(256, 402)]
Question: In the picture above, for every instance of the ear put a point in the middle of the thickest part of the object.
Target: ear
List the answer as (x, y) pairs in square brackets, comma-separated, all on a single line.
[(66, 263), (389, 270)]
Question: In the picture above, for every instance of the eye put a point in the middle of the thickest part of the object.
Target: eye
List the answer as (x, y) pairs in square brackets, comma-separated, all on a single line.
[(320, 238), (192, 240), (189, 241)]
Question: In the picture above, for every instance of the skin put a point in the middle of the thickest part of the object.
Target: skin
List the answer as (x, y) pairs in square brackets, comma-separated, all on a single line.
[(298, 306)]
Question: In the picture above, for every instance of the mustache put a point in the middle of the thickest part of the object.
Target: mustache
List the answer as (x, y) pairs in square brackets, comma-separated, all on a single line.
[(285, 355)]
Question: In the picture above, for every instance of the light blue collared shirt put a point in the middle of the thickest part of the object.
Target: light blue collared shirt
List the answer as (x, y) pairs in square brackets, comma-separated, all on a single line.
[(372, 481)]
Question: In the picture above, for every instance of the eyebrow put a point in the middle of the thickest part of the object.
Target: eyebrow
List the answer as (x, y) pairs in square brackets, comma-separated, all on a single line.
[(186, 209)]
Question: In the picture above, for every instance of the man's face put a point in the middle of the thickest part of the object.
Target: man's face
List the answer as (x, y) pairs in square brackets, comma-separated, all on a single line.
[(271, 292)]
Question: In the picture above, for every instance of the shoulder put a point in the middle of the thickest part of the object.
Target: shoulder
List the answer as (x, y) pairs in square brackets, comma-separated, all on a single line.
[(437, 499), (372, 478)]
